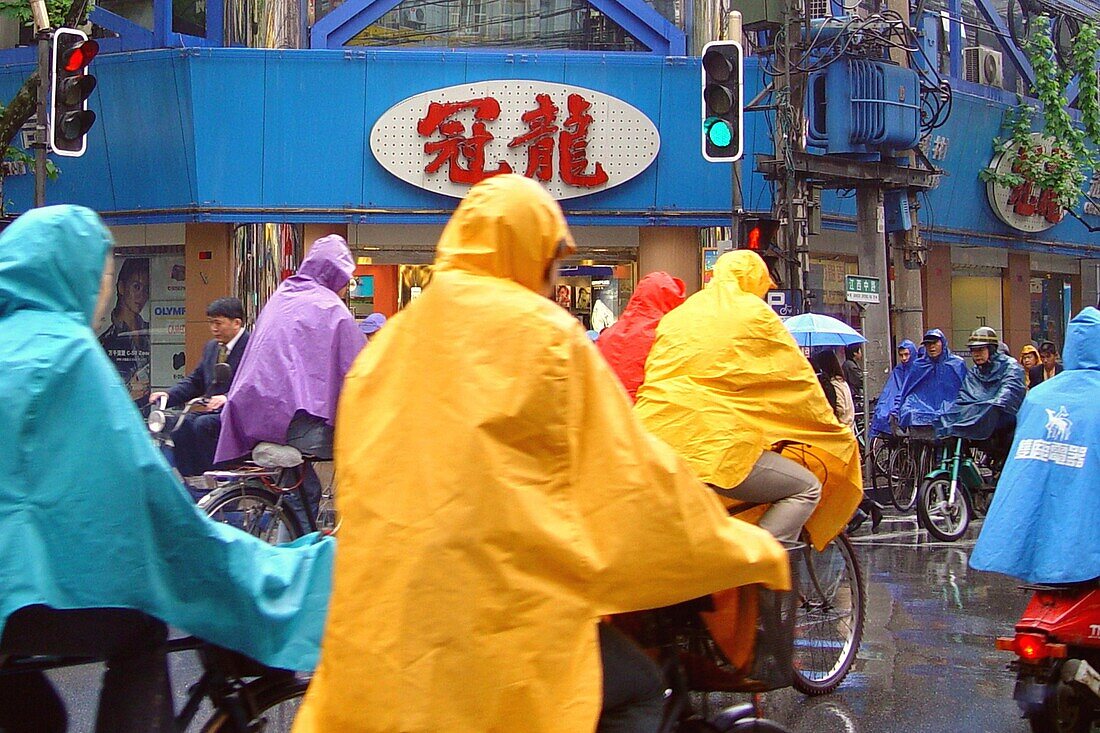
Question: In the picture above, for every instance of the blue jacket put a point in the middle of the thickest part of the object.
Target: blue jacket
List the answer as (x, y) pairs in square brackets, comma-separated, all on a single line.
[(931, 386), (888, 398), (1043, 524), (200, 382), (91, 516)]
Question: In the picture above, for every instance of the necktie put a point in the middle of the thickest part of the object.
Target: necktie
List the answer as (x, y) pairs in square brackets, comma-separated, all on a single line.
[(223, 353)]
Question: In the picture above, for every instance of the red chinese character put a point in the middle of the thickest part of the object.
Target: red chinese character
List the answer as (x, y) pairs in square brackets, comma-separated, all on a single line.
[(540, 139), (1021, 199), (573, 146), (455, 145)]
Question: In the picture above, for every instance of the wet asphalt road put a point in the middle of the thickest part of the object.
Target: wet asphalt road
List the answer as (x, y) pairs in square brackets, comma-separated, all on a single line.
[(926, 665)]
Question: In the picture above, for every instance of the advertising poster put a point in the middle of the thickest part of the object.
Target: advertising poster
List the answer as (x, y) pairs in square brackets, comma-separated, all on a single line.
[(143, 331)]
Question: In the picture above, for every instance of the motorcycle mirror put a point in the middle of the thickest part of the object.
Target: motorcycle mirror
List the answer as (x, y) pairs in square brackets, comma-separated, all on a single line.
[(223, 373), (156, 421)]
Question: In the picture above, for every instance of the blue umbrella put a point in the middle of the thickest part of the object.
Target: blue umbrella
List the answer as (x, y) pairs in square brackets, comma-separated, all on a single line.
[(814, 329)]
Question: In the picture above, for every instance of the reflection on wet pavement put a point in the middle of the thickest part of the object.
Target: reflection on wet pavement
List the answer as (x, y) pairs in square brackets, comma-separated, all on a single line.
[(927, 662)]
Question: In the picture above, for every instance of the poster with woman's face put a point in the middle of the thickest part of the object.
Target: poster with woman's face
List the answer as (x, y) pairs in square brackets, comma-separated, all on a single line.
[(125, 331), (563, 295)]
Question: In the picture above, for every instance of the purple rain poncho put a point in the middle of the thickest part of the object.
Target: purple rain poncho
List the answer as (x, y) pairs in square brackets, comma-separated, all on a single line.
[(303, 344)]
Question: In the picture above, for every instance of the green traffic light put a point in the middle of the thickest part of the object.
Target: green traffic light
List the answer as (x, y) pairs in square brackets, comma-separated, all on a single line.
[(718, 132)]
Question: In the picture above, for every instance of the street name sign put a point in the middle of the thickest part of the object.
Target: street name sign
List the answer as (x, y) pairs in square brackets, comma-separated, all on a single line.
[(860, 289)]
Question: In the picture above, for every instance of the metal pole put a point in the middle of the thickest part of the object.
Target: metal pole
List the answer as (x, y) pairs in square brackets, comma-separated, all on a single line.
[(737, 205), (42, 26)]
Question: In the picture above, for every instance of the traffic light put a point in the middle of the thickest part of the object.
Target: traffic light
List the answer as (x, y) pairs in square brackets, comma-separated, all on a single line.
[(70, 119), (722, 101), (759, 234)]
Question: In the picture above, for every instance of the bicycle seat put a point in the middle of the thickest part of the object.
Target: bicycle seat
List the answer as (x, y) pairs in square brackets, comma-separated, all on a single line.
[(274, 455)]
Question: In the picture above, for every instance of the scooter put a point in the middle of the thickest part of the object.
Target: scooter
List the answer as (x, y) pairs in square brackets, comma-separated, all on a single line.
[(1057, 648)]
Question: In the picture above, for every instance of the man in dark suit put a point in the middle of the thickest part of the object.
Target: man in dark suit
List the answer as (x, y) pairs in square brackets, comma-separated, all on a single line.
[(1048, 364), (197, 437)]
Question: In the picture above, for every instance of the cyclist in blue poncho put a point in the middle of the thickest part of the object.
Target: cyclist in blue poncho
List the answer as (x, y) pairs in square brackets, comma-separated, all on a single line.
[(932, 385), (888, 399), (1042, 525), (989, 399)]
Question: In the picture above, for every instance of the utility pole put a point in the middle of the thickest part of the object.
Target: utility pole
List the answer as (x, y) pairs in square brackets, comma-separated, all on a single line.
[(42, 35), (737, 204), (872, 262)]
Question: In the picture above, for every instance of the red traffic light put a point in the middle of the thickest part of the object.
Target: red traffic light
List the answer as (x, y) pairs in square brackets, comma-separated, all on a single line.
[(80, 55)]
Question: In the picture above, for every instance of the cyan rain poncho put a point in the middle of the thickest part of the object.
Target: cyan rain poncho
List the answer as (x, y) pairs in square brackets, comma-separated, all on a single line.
[(990, 398), (888, 398), (931, 386), (1042, 525), (91, 516), (302, 346), (626, 344)]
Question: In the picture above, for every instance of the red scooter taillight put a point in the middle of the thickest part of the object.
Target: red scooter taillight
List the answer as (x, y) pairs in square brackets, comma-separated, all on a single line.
[(1031, 647)]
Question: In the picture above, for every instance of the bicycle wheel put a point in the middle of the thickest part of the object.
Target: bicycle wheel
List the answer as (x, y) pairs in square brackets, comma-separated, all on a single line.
[(255, 509), (903, 478), (271, 707), (944, 518), (880, 455), (829, 622)]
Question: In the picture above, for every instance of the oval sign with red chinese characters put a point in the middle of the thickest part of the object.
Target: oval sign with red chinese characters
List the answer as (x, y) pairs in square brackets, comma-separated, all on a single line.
[(573, 141), (1026, 206)]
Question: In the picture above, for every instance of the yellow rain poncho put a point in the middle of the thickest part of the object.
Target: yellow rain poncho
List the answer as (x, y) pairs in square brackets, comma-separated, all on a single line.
[(725, 382), (497, 497)]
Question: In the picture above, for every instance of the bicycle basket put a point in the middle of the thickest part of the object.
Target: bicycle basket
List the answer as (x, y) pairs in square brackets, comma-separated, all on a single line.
[(737, 640)]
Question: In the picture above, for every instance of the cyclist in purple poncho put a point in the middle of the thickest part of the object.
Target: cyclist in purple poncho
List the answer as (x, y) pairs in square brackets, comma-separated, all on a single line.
[(290, 377)]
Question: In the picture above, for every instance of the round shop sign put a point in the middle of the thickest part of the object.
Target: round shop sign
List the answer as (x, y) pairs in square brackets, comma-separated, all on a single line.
[(1026, 206), (573, 141)]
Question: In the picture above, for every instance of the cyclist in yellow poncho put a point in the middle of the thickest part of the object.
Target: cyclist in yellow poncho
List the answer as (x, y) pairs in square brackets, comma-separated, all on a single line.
[(497, 497), (725, 382)]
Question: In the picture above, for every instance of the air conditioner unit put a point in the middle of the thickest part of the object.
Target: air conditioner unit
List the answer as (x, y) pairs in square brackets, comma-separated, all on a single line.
[(984, 66), (414, 18)]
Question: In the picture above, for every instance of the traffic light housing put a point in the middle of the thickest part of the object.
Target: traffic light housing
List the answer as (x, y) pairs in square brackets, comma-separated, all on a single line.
[(70, 86), (759, 234), (722, 101)]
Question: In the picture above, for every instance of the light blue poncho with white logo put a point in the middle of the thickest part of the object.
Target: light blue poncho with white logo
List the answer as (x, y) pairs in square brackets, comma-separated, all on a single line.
[(1044, 524), (90, 514)]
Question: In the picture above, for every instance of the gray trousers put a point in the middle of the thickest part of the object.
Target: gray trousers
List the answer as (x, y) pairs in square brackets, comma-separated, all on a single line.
[(792, 490)]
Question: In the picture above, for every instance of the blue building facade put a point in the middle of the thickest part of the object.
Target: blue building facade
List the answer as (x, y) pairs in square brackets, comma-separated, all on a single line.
[(197, 143)]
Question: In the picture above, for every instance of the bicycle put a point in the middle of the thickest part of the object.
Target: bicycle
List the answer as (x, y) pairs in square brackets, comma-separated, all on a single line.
[(955, 492), (909, 463), (831, 608), (267, 499), (246, 696)]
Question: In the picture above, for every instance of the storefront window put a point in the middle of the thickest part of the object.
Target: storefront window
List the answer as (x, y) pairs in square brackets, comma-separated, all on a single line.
[(595, 294), (1050, 304), (143, 333), (561, 24)]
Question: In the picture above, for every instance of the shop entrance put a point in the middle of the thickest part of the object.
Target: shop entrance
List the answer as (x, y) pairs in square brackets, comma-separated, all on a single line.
[(975, 301)]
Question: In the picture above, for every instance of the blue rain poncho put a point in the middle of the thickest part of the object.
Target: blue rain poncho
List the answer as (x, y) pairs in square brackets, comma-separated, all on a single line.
[(931, 386), (990, 397), (888, 398), (1042, 525), (91, 516)]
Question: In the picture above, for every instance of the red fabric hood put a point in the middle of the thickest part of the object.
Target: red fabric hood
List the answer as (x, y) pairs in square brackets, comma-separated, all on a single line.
[(626, 344)]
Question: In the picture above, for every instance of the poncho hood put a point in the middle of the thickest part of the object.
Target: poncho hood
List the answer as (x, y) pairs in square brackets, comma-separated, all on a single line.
[(725, 381), (301, 347), (506, 227), (626, 344), (91, 515), (745, 269), (1041, 526), (52, 259), (329, 262)]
